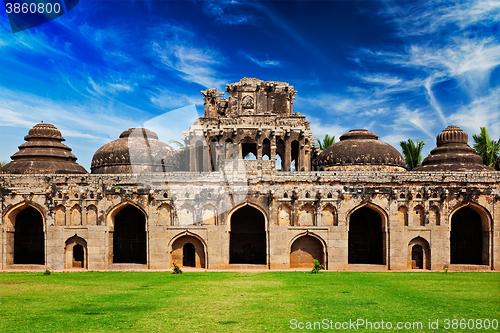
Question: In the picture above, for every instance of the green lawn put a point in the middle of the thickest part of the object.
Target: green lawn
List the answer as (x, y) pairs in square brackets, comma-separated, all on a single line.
[(240, 302)]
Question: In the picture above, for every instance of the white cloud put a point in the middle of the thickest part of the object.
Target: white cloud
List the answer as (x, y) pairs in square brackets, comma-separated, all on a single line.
[(167, 100), (267, 63), (228, 12), (179, 50)]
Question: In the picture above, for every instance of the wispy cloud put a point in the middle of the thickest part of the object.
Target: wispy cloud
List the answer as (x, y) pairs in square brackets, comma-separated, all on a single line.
[(167, 99), (229, 12), (266, 63), (180, 50)]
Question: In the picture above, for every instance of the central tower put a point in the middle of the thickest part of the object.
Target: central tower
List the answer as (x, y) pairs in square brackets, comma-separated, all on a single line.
[(256, 122)]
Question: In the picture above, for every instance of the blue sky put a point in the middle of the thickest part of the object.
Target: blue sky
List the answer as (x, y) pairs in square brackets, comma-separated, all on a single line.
[(402, 69)]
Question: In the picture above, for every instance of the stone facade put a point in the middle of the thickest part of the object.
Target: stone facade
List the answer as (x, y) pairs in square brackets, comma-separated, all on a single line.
[(218, 210)]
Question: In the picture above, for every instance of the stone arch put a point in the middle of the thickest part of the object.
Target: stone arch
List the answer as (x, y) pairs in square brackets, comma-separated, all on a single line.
[(209, 215), (248, 148), (266, 149), (127, 233), (328, 215), (402, 216), (280, 152), (24, 227), (164, 215), (75, 253), (284, 215), (434, 216), (92, 215), (367, 235), (418, 216), (110, 215), (419, 255), (295, 156), (177, 250), (306, 215), (60, 215), (248, 235), (186, 215), (470, 235), (76, 215), (306, 247)]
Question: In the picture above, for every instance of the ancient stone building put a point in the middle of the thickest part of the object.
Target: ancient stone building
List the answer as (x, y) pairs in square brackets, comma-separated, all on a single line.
[(248, 189)]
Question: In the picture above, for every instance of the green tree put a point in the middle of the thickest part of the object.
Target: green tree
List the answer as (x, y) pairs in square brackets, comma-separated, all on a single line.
[(176, 142), (412, 153), (3, 163), (327, 142), (485, 147)]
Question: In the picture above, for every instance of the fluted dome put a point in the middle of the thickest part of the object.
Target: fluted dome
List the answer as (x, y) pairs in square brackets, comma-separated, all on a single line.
[(43, 153), (137, 150), (453, 154), (360, 149)]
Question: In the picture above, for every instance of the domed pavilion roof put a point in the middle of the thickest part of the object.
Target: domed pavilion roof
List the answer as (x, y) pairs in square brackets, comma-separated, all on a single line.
[(360, 149), (137, 150), (453, 154), (43, 153)]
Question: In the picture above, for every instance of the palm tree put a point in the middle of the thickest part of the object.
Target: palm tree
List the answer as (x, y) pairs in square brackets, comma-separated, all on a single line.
[(412, 153), (176, 142), (2, 164), (327, 142), (485, 147)]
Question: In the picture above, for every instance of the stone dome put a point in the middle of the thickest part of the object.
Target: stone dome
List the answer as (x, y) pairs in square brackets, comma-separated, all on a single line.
[(360, 149), (43, 153), (453, 154), (137, 150)]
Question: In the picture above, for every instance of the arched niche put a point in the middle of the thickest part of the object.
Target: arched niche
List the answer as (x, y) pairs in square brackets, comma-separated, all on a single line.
[(188, 250), (304, 249), (419, 255), (75, 253)]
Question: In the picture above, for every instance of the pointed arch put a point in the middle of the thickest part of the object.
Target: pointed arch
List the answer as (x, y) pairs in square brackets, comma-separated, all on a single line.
[(329, 215), (419, 255), (367, 235), (307, 215), (284, 215), (60, 215), (418, 216), (304, 248), (76, 215), (470, 235), (209, 215), (91, 215), (111, 213), (177, 249), (402, 216), (164, 215), (75, 253)]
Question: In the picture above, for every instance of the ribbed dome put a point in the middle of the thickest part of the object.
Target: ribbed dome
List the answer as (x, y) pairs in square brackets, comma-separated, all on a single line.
[(43, 154), (453, 154), (360, 149), (137, 150)]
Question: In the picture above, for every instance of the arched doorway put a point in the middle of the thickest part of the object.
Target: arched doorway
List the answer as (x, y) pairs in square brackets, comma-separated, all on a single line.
[(188, 251), (188, 255), (304, 250), (129, 236), (365, 237), (78, 256), (417, 256), (247, 244), (75, 253), (29, 237), (467, 237)]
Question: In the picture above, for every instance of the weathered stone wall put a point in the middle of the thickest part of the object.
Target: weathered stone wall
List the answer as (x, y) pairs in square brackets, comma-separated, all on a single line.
[(413, 206)]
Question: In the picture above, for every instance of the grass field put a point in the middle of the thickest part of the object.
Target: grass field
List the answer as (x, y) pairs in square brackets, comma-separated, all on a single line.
[(240, 302)]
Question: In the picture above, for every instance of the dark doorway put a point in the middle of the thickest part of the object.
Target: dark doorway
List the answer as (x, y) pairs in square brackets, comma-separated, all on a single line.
[(417, 257), (129, 238), (365, 237), (466, 237), (28, 238), (248, 237), (78, 256), (188, 255)]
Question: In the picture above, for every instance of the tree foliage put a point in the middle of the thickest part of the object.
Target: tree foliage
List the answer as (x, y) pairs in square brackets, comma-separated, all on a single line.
[(485, 147), (412, 153), (327, 142)]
